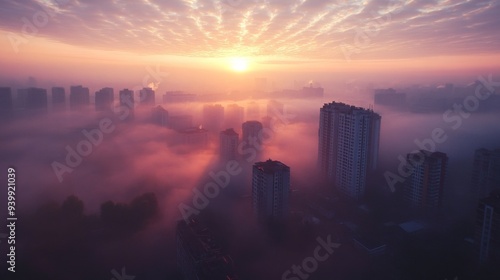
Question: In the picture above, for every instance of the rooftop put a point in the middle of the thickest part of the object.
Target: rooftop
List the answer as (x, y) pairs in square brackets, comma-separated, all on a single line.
[(271, 166), (345, 108), (412, 226)]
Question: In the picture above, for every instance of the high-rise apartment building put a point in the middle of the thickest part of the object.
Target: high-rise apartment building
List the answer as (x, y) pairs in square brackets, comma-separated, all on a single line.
[(270, 190), (252, 133), (147, 97), (34, 100), (79, 97), (424, 187), (229, 141), (485, 172), (348, 146), (193, 136), (127, 103), (104, 99), (58, 99), (488, 228), (6, 104), (159, 116)]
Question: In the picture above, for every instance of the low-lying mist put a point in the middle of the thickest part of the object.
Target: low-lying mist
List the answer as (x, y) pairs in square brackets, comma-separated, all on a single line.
[(136, 158)]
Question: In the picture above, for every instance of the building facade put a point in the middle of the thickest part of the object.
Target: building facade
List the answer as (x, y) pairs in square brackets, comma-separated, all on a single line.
[(488, 228), (485, 172), (6, 105), (229, 141), (159, 116), (270, 190), (104, 99), (58, 99), (127, 104), (147, 97), (79, 97), (424, 188), (35, 100), (348, 146), (252, 133)]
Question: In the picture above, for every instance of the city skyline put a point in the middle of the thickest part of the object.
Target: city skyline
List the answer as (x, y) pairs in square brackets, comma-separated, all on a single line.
[(250, 139)]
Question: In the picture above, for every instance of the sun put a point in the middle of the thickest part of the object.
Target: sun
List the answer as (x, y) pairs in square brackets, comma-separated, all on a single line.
[(239, 64)]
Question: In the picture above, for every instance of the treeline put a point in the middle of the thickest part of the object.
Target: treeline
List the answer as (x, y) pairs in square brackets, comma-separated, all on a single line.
[(60, 241)]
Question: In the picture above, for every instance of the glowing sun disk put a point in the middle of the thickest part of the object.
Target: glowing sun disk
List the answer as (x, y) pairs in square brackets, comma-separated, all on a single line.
[(239, 64)]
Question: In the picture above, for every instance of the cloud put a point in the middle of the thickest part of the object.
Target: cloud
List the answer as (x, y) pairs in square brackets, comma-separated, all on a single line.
[(310, 28)]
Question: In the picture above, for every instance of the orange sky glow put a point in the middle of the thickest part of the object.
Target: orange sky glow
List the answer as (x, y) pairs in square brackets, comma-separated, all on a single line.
[(74, 42)]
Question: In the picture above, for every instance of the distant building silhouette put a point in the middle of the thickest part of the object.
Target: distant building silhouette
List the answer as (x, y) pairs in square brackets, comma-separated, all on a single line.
[(6, 105), (348, 146), (270, 190), (34, 100), (193, 136), (178, 97), (20, 101), (424, 188), (389, 97), (147, 97), (311, 91), (252, 135), (199, 256), (104, 99), (159, 116), (229, 141), (127, 103), (79, 98), (485, 172), (488, 228), (58, 99)]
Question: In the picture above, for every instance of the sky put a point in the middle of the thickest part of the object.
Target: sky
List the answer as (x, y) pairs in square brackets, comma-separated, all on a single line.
[(70, 41)]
